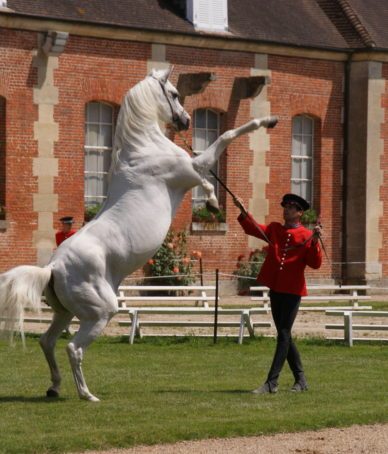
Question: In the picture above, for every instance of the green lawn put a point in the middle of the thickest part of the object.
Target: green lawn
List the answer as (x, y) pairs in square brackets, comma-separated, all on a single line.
[(169, 390)]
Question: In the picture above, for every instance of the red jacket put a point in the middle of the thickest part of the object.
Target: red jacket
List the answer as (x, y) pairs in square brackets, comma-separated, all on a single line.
[(283, 268), (60, 236)]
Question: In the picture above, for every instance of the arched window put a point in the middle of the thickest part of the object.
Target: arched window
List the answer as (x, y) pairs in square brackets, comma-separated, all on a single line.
[(2, 157), (302, 154), (206, 129), (98, 150)]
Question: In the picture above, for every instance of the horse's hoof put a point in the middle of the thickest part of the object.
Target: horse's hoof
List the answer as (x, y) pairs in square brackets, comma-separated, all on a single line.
[(272, 122), (52, 393), (213, 209)]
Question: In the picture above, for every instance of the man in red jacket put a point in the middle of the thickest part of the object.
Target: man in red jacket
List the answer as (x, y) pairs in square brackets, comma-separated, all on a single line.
[(292, 247), (66, 230)]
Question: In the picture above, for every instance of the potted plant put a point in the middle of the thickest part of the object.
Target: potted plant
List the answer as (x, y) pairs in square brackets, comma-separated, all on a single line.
[(202, 214)]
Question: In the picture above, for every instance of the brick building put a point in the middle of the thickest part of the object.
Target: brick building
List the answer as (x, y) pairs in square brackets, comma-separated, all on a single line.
[(321, 66)]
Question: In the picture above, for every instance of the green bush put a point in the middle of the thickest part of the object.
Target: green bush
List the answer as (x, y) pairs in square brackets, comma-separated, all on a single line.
[(171, 260), (202, 214), (91, 211), (247, 270), (309, 217)]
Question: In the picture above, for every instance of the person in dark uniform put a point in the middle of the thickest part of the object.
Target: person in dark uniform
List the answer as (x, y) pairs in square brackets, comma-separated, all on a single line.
[(292, 247), (66, 229)]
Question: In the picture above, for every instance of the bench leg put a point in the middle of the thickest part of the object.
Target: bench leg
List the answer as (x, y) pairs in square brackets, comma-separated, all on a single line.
[(248, 322), (348, 329), (134, 319), (241, 330)]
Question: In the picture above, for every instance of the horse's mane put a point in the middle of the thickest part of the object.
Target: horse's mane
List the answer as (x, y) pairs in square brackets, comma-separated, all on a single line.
[(138, 109)]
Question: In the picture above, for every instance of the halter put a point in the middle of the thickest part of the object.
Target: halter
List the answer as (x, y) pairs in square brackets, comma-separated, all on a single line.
[(174, 115)]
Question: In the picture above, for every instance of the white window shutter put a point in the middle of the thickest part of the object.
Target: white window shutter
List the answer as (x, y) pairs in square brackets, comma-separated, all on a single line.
[(3, 3), (219, 14), (208, 14), (202, 13)]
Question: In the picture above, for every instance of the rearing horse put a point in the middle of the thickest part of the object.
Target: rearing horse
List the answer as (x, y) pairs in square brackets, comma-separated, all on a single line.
[(149, 178)]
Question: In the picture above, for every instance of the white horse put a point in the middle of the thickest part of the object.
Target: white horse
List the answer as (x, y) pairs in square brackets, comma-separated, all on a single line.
[(149, 178)]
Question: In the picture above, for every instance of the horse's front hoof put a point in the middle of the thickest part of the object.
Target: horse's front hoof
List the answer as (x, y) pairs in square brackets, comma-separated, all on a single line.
[(272, 122), (52, 393), (90, 398)]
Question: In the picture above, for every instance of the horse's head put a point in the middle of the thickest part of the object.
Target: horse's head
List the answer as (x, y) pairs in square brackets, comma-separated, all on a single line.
[(170, 109)]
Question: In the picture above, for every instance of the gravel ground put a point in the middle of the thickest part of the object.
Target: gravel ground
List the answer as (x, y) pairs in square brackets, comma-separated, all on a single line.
[(371, 439)]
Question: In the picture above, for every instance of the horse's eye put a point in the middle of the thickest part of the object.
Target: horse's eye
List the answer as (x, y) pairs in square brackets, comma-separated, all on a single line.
[(175, 95)]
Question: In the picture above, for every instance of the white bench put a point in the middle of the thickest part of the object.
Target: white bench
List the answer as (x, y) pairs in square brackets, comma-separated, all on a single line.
[(349, 293), (348, 326), (193, 294), (244, 319), (197, 294)]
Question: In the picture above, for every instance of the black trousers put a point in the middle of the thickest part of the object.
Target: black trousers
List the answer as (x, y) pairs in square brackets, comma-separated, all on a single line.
[(284, 308)]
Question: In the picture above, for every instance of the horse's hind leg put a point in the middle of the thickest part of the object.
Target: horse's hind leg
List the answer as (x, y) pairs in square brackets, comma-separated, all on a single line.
[(88, 331), (61, 321)]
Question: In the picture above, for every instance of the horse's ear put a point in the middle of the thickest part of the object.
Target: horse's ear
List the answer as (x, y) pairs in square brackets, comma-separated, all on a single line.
[(165, 74)]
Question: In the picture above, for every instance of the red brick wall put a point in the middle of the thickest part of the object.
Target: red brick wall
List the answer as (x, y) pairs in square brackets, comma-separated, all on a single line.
[(2, 150), (89, 70), (103, 70), (312, 87), (17, 78), (384, 164)]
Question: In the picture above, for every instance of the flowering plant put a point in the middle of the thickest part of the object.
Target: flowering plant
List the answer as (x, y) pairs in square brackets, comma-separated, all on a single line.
[(172, 262), (247, 270), (202, 214)]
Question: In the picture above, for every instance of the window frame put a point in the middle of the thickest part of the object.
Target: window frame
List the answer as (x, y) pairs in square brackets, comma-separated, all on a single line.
[(195, 197), (303, 158), (94, 199)]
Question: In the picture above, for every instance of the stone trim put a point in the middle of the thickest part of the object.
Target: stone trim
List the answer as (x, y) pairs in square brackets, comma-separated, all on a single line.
[(259, 144), (374, 173), (45, 165)]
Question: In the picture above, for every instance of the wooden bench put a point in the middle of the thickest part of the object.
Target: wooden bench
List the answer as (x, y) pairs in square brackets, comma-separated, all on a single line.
[(320, 293), (244, 319), (348, 326)]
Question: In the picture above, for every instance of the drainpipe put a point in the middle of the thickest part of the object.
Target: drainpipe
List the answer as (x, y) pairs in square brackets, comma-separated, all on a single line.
[(347, 70)]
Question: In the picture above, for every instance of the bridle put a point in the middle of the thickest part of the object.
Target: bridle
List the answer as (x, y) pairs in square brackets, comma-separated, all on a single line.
[(174, 115)]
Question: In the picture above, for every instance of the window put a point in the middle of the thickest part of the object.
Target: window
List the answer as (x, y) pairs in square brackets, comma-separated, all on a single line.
[(302, 157), (98, 151), (206, 129)]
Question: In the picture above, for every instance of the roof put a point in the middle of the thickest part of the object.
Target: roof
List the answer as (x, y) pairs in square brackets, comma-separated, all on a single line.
[(330, 24)]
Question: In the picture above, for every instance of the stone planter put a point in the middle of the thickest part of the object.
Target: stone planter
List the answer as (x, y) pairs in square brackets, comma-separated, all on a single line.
[(209, 227)]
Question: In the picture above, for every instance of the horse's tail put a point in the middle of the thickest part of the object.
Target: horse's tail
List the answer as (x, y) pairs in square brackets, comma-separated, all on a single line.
[(21, 288)]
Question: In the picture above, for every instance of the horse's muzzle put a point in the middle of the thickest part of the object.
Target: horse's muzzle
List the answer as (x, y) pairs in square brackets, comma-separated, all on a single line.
[(182, 124)]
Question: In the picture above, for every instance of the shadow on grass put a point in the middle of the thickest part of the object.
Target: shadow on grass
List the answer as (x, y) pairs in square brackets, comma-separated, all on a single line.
[(24, 399), (204, 391)]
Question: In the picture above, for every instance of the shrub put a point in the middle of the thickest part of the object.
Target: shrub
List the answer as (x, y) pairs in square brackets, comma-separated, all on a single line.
[(247, 270), (202, 214), (309, 217), (91, 211), (171, 260)]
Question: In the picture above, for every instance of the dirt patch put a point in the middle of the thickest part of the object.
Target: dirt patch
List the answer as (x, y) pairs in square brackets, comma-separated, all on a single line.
[(372, 439)]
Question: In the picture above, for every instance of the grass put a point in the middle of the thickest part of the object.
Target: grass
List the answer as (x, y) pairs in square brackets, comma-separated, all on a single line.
[(166, 390)]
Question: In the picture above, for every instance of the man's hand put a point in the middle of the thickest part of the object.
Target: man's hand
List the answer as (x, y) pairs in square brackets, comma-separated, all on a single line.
[(239, 204), (317, 232)]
